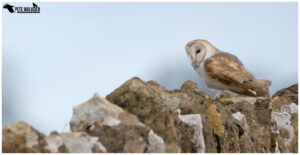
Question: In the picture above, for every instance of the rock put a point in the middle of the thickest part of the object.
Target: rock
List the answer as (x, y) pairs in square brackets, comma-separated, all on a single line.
[(22, 138), (144, 117), (230, 124), (195, 121), (117, 130), (285, 120), (252, 119), (156, 143), (242, 124), (73, 142), (291, 93), (157, 109)]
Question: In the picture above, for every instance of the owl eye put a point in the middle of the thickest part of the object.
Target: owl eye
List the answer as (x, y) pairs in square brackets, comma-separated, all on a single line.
[(198, 51)]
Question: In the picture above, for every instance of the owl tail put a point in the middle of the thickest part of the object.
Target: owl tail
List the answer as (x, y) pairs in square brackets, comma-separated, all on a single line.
[(258, 92), (258, 83)]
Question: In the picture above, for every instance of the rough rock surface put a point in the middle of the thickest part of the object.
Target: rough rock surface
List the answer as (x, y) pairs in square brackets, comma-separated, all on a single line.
[(231, 124), (148, 102), (285, 120), (145, 117), (74, 142), (22, 138), (117, 130)]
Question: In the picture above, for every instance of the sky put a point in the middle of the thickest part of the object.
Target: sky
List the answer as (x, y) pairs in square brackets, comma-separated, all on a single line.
[(59, 58)]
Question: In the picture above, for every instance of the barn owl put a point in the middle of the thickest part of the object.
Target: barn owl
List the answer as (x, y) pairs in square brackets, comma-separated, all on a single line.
[(222, 71)]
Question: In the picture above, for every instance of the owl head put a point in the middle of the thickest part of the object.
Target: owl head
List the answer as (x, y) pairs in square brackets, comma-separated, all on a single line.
[(198, 51)]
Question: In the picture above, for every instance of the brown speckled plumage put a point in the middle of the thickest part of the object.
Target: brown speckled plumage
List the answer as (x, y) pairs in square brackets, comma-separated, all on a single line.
[(229, 70), (223, 71)]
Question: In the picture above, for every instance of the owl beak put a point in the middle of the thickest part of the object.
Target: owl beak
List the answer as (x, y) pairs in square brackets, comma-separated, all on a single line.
[(194, 64)]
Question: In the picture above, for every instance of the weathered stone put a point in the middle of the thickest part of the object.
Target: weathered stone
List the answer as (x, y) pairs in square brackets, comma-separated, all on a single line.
[(244, 125), (147, 118), (155, 107), (215, 119), (291, 93), (252, 119), (73, 142), (195, 121), (22, 138), (117, 130), (229, 123), (285, 120)]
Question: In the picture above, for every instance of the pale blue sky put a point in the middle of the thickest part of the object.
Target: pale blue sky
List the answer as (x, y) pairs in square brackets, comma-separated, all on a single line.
[(62, 56)]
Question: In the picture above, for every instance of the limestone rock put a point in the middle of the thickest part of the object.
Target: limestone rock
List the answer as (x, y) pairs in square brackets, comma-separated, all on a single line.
[(243, 125), (73, 142), (117, 130), (144, 117), (230, 124), (195, 121), (285, 120), (22, 138), (155, 108)]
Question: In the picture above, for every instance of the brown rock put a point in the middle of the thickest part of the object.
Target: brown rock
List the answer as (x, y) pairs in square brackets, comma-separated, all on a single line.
[(290, 93), (285, 120), (73, 142), (22, 138), (155, 107), (215, 119), (117, 130), (146, 118)]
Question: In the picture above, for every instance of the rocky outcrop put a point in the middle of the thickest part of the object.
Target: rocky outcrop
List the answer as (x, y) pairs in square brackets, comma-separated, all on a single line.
[(285, 120), (117, 130), (22, 138), (144, 100), (230, 124), (144, 117)]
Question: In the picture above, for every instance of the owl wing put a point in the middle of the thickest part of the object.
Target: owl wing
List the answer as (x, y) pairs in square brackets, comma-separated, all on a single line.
[(229, 70)]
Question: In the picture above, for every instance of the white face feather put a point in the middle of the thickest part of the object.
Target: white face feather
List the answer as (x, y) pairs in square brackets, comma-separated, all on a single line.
[(196, 53)]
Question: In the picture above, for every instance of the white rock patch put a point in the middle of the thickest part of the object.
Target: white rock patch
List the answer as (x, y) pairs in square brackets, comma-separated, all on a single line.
[(195, 121), (32, 139), (75, 142), (178, 111), (283, 120), (241, 118), (238, 116), (110, 121), (53, 143), (291, 108), (95, 109), (294, 108), (157, 144)]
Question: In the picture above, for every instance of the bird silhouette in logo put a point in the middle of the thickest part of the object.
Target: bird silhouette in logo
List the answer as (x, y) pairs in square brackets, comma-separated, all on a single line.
[(34, 5), (9, 8)]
